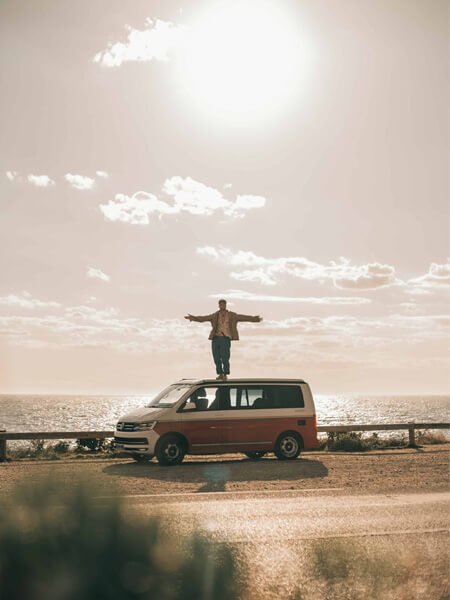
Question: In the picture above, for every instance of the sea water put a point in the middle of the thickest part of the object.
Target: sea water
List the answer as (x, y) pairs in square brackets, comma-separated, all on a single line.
[(93, 413)]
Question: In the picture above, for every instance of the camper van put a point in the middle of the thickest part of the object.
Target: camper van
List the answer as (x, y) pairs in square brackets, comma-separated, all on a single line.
[(206, 416)]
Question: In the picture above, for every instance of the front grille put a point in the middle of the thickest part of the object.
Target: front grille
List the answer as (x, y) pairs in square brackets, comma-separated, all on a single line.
[(129, 441), (124, 426)]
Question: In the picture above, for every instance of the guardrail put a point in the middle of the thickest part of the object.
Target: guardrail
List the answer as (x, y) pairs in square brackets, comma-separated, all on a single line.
[(75, 435)]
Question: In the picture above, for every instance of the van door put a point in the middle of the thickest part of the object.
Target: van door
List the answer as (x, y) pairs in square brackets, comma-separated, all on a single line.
[(245, 429), (204, 427), (261, 412)]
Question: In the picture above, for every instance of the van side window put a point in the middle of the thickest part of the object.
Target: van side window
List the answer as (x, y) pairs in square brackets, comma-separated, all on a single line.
[(248, 397), (275, 396), (260, 397), (219, 398), (288, 396), (205, 398)]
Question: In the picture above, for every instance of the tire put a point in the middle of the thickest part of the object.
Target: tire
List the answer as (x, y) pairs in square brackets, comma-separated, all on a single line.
[(288, 446), (170, 450), (256, 454), (141, 458)]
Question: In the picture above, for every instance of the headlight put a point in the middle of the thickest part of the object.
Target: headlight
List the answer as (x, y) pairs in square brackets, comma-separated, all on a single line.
[(145, 426)]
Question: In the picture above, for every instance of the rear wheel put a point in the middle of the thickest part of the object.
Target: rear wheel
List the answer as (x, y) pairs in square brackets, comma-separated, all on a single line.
[(170, 450), (141, 458), (288, 446), (255, 455)]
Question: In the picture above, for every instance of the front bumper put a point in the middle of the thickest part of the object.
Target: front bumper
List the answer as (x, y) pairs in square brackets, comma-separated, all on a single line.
[(142, 442)]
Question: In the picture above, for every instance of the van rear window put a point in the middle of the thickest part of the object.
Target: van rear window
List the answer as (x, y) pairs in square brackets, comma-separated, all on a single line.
[(265, 397)]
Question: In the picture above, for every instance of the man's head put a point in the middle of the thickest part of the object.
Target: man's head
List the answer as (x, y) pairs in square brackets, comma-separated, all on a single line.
[(222, 304)]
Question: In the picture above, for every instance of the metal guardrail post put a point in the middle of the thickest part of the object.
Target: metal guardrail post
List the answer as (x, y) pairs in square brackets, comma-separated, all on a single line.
[(412, 437), (2, 447)]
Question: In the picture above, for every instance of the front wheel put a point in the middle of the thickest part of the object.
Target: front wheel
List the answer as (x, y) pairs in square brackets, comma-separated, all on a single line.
[(256, 455), (170, 450), (288, 446)]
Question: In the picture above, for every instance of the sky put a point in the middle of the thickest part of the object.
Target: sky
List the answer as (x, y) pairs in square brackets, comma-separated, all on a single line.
[(291, 157)]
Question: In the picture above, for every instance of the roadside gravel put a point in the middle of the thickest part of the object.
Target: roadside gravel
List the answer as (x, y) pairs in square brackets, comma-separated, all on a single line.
[(424, 469)]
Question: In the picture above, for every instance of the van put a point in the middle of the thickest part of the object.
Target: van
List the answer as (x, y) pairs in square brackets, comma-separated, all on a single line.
[(205, 416)]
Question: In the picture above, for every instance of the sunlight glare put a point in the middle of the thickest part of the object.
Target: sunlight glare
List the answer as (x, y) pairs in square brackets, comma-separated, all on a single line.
[(243, 60)]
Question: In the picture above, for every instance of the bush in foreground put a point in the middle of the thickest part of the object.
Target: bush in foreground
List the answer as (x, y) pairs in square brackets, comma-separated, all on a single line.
[(58, 543)]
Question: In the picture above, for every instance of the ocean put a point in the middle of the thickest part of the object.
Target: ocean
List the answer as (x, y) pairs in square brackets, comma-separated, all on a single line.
[(88, 413)]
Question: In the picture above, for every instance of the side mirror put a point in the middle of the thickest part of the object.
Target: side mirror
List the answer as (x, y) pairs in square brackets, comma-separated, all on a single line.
[(189, 406)]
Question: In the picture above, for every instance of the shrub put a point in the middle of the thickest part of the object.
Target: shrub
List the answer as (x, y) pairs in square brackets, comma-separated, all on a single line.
[(59, 543), (427, 437), (356, 441), (351, 441), (91, 444), (61, 447)]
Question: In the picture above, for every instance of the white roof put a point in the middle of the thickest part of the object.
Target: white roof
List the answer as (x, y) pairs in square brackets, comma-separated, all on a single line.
[(238, 381)]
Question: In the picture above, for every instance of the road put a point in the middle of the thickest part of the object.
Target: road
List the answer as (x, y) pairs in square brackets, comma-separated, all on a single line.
[(268, 517), (272, 530)]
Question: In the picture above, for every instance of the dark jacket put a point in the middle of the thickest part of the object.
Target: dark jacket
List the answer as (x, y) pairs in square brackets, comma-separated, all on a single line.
[(234, 320)]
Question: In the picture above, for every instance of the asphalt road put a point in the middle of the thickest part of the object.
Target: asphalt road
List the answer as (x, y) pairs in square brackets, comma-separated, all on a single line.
[(271, 530), (266, 517)]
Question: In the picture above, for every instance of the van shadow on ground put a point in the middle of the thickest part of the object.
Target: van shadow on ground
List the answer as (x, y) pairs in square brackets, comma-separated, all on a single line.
[(215, 474)]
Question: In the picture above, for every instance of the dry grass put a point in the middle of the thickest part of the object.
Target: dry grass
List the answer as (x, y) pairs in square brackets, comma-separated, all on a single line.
[(342, 569)]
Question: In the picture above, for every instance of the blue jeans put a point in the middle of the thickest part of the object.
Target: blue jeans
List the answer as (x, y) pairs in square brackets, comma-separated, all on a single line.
[(221, 352)]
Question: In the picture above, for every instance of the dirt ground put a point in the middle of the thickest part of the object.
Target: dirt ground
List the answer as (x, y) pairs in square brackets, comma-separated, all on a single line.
[(423, 469)]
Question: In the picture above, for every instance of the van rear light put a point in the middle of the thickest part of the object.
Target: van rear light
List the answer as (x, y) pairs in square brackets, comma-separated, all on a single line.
[(315, 421)]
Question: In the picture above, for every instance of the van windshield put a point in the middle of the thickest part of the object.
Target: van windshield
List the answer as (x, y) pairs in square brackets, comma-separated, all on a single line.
[(169, 396)]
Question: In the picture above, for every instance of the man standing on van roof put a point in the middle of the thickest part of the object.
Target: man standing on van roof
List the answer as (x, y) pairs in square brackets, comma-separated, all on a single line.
[(224, 329)]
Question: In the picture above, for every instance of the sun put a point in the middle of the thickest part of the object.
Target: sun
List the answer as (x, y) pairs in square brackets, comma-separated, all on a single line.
[(243, 60)]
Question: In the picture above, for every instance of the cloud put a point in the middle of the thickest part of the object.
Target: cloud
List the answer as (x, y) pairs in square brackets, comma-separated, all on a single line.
[(153, 42), (438, 277), (420, 321), (135, 209), (97, 274), (328, 300), (25, 300), (40, 180), (103, 174), (80, 182), (325, 341), (11, 175), (268, 271), (417, 291), (181, 195)]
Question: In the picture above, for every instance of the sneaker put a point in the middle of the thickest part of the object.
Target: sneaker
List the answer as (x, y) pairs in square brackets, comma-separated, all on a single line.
[(219, 377), (224, 377)]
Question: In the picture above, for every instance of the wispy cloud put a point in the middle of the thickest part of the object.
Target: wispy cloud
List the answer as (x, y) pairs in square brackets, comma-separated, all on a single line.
[(80, 182), (268, 271), (103, 174), (153, 42), (181, 195), (11, 175), (97, 274), (327, 300), (40, 180), (26, 300), (438, 277), (320, 340)]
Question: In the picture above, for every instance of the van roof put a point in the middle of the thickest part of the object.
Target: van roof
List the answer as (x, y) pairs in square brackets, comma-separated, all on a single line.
[(259, 380)]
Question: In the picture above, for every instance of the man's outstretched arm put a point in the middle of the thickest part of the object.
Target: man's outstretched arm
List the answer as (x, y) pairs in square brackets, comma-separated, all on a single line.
[(200, 319), (256, 319)]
